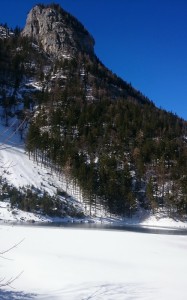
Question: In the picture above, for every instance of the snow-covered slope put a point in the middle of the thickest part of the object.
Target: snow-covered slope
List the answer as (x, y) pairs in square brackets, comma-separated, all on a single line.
[(16, 215), (67, 264), (19, 170)]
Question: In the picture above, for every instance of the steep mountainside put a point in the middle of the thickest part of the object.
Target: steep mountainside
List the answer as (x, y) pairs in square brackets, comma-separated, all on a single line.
[(82, 120)]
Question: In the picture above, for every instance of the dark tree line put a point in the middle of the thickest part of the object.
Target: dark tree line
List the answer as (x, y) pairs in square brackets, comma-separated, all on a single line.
[(105, 142)]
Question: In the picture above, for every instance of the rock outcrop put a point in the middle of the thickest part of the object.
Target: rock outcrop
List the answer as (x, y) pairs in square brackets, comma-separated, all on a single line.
[(59, 33), (5, 32)]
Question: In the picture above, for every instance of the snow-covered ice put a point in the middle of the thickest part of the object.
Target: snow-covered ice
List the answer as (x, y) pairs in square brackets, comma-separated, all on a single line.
[(71, 264)]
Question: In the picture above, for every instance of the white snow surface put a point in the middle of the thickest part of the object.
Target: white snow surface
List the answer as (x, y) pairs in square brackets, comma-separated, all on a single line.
[(15, 215), (75, 264), (19, 170)]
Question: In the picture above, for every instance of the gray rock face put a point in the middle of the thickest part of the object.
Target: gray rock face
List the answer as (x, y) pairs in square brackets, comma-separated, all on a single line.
[(60, 34)]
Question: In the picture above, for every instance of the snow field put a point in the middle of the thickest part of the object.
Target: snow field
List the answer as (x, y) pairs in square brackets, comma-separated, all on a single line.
[(71, 264)]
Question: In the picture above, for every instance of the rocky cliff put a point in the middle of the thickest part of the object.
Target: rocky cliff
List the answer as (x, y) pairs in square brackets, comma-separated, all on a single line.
[(59, 33)]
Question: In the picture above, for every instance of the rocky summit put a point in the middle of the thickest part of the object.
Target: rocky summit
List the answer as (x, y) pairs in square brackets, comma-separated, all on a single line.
[(56, 31)]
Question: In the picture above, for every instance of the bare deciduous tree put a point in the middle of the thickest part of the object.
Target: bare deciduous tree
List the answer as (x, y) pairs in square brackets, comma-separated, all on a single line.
[(8, 282)]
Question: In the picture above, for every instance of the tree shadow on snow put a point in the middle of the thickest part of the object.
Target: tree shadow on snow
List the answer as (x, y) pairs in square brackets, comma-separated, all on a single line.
[(14, 295), (108, 291)]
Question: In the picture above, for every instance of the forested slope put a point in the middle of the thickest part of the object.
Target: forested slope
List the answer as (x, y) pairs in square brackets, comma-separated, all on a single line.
[(120, 149)]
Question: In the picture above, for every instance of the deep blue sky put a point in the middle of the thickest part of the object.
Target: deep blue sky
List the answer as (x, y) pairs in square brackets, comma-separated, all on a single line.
[(142, 41)]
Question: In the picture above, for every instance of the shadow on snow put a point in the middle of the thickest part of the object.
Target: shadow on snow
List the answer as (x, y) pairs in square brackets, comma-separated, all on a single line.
[(14, 295)]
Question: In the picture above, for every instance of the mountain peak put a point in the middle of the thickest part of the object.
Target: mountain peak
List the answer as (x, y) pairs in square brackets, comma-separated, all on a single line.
[(59, 33)]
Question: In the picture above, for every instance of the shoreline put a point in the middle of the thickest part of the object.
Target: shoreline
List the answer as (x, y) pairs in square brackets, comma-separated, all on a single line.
[(113, 226)]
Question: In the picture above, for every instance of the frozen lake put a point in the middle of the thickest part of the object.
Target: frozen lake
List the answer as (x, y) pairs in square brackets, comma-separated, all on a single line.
[(117, 227), (77, 264)]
